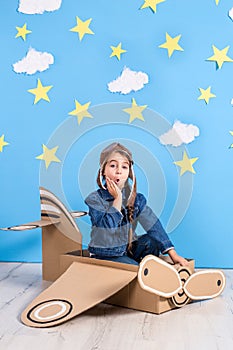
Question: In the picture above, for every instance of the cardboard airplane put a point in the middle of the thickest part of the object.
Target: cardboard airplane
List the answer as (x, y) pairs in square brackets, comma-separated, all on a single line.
[(81, 282)]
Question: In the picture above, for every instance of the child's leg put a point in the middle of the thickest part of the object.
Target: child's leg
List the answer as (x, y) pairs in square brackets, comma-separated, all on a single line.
[(145, 245)]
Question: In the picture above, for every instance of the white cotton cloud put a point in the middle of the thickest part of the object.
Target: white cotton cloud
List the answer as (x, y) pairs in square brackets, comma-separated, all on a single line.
[(128, 81), (32, 7), (179, 133), (34, 61), (230, 13)]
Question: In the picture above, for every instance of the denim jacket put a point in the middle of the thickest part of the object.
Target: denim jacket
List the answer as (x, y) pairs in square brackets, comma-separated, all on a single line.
[(110, 227)]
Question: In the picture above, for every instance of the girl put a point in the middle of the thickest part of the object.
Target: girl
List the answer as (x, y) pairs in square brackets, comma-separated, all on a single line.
[(116, 208)]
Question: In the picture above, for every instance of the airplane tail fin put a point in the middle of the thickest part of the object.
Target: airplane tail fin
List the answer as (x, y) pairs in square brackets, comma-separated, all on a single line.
[(60, 233), (54, 211), (60, 237)]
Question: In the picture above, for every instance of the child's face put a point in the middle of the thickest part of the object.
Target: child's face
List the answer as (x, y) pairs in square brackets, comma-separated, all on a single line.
[(117, 169)]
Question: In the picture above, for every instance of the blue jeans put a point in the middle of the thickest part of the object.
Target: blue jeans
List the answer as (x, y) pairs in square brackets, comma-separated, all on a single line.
[(145, 245)]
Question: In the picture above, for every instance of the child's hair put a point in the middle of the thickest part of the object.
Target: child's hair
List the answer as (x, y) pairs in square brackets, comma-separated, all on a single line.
[(132, 191)]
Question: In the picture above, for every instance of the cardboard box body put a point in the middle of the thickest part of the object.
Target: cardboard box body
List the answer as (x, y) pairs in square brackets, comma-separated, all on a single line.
[(131, 296)]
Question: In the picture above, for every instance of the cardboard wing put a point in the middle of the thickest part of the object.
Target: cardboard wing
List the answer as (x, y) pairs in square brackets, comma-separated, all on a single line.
[(79, 288)]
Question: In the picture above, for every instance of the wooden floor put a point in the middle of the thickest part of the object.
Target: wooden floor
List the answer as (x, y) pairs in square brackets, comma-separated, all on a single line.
[(197, 326)]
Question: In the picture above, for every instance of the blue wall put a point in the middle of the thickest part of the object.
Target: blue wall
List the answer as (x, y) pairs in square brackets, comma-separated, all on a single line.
[(194, 208)]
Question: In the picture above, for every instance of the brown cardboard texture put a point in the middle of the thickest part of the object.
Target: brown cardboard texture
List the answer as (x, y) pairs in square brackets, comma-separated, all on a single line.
[(156, 285), (132, 295), (75, 291)]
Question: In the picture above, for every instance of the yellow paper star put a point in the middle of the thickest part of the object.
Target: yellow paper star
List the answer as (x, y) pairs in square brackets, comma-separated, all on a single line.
[(152, 4), (171, 44), (48, 155), (82, 27), (2, 143), (22, 31), (117, 51), (220, 56), (135, 111), (206, 94), (81, 111), (186, 164), (40, 92), (217, 2)]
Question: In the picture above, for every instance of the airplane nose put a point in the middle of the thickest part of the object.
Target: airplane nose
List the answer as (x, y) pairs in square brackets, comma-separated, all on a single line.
[(181, 299)]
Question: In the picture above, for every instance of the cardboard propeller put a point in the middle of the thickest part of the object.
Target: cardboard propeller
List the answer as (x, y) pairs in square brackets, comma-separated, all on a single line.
[(180, 299), (80, 282), (158, 277)]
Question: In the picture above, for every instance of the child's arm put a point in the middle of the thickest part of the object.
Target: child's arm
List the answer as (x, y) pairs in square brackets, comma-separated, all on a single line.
[(177, 258)]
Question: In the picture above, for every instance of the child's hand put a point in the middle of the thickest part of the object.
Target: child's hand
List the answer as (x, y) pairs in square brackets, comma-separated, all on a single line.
[(113, 189), (182, 261), (177, 259)]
